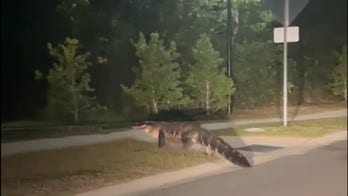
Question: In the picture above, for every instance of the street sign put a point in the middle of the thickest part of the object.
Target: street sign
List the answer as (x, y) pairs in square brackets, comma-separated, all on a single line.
[(292, 34), (277, 8), (286, 11)]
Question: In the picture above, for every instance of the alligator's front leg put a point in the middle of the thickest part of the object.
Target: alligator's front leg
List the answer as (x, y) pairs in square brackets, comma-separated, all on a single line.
[(189, 138), (186, 143), (161, 139), (209, 151)]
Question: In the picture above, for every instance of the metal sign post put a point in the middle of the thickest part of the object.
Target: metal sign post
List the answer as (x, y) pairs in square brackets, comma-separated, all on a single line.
[(286, 14), (285, 69)]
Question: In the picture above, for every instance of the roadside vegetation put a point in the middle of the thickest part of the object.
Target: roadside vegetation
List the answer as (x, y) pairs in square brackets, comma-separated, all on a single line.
[(71, 170), (95, 67), (28, 130), (78, 169), (308, 128)]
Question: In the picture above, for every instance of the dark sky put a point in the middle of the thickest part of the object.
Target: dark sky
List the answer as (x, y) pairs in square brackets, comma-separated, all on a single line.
[(28, 25)]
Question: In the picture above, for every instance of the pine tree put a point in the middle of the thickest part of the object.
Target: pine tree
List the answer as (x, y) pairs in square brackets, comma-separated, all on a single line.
[(69, 82), (157, 84), (209, 86)]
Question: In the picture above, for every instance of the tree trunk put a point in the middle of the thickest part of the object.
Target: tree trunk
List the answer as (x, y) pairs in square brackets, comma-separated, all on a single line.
[(154, 106), (207, 97), (75, 102), (76, 115)]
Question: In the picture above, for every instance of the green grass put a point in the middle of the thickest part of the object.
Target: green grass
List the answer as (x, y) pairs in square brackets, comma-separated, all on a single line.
[(310, 128), (33, 130), (71, 170), (78, 169)]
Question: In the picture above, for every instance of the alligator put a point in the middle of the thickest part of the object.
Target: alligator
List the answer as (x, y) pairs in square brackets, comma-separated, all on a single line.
[(188, 134)]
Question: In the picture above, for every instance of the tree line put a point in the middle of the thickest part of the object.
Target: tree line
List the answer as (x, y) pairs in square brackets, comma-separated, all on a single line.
[(155, 55)]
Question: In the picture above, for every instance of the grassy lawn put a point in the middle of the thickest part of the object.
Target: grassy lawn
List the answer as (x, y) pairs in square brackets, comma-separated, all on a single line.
[(78, 169), (276, 111), (67, 171), (309, 128)]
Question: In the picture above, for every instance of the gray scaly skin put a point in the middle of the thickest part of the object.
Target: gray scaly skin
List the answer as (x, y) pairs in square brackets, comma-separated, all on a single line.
[(188, 134)]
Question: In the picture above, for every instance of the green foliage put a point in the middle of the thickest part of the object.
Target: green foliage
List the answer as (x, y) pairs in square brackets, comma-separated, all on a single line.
[(157, 85), (252, 30), (69, 82), (313, 77), (253, 18), (182, 21), (258, 73), (38, 75), (338, 85), (315, 59), (208, 85), (105, 28), (87, 25), (75, 10), (210, 17)]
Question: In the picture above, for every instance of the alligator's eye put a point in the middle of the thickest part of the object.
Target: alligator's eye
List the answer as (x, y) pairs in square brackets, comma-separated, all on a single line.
[(136, 124), (141, 125)]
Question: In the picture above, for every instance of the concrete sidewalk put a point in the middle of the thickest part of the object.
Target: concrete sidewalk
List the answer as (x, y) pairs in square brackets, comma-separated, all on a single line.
[(80, 140), (290, 146), (322, 115)]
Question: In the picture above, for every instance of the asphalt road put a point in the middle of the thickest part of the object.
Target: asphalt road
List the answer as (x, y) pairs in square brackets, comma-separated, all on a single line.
[(319, 172)]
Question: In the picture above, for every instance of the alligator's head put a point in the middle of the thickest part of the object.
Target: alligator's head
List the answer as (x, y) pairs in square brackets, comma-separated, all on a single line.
[(149, 127)]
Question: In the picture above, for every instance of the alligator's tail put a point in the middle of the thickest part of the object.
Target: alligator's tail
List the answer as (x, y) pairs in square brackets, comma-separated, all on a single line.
[(217, 144)]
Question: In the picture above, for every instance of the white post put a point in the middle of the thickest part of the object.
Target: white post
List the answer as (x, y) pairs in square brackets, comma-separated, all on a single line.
[(285, 70)]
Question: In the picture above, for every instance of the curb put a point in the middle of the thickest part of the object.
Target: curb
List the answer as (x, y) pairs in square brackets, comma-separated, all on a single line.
[(172, 178)]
